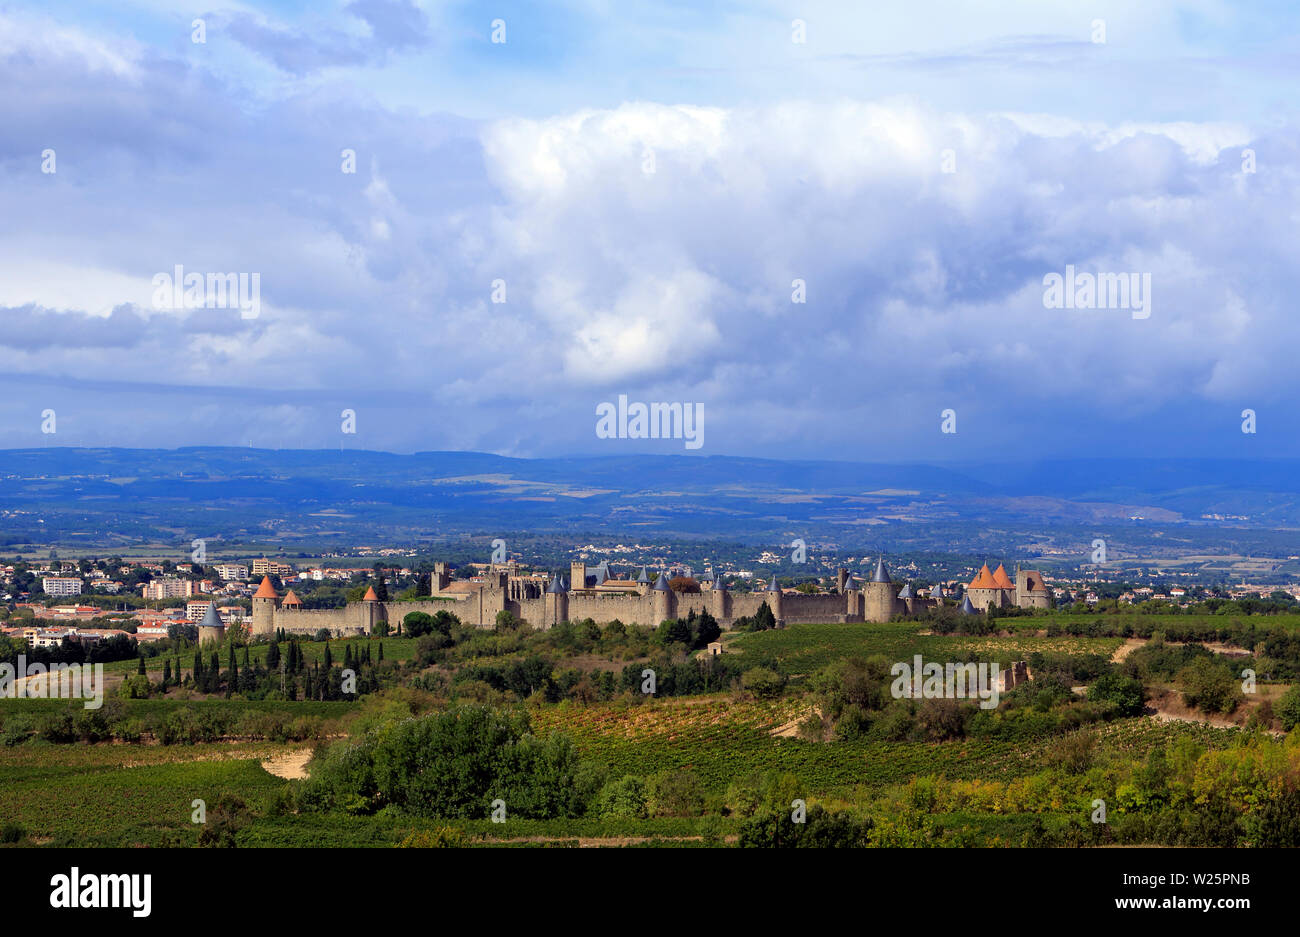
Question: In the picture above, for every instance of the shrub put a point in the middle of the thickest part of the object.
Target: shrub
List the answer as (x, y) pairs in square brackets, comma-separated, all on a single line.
[(1209, 686), (17, 729), (1125, 693), (451, 764), (763, 682), (441, 837), (1287, 709), (674, 794), (1073, 752), (622, 799)]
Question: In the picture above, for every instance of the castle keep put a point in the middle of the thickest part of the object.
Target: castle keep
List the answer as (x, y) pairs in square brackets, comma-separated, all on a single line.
[(997, 589), (546, 601)]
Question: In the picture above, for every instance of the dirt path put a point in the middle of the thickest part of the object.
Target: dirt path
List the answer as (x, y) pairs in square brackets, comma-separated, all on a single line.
[(1125, 649), (1168, 707), (790, 729), (291, 765), (1218, 722)]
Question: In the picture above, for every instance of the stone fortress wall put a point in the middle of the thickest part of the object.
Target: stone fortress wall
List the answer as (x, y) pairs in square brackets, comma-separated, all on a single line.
[(640, 602)]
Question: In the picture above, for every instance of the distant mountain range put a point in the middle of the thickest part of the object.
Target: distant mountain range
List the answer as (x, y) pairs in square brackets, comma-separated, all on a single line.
[(122, 496)]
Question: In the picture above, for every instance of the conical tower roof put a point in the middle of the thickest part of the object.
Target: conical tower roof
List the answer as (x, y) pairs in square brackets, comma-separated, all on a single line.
[(370, 596), (557, 586), (210, 618), (1001, 579), (292, 598), (772, 586), (936, 591), (906, 591), (661, 584), (882, 574), (966, 607), (984, 579), (643, 579), (265, 590)]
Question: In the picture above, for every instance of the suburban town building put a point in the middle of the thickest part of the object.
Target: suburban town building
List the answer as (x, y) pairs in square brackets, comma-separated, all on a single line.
[(59, 585)]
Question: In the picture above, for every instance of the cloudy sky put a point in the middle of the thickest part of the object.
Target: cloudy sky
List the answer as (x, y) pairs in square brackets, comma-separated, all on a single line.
[(646, 182)]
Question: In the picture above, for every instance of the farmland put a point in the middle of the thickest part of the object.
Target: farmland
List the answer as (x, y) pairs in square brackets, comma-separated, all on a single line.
[(131, 775)]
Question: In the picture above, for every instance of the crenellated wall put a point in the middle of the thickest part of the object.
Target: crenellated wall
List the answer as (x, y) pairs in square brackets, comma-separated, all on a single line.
[(877, 602)]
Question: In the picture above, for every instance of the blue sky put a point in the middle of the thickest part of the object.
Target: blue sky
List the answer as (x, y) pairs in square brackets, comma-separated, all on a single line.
[(648, 180)]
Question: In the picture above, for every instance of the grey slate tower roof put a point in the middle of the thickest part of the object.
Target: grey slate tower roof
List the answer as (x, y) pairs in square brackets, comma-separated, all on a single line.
[(936, 591), (772, 586), (643, 579), (882, 575), (848, 584), (905, 592), (557, 586), (602, 573), (966, 607), (210, 618), (661, 584)]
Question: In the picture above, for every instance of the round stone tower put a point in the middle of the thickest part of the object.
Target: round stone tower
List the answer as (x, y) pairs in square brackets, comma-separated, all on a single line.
[(211, 628), (878, 602), (775, 601), (557, 602), (264, 603), (665, 602)]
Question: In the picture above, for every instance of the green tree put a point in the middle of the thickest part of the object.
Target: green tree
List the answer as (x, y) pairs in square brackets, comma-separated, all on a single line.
[(763, 682), (763, 619), (1209, 686), (1125, 693), (1288, 707)]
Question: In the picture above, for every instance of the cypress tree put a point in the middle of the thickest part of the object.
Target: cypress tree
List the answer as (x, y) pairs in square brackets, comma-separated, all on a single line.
[(273, 656), (167, 674), (214, 673), (140, 668), (381, 652), (329, 658)]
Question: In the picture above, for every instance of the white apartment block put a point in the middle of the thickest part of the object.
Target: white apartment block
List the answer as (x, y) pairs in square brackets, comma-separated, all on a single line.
[(265, 567), (168, 589), (59, 585), (232, 572)]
